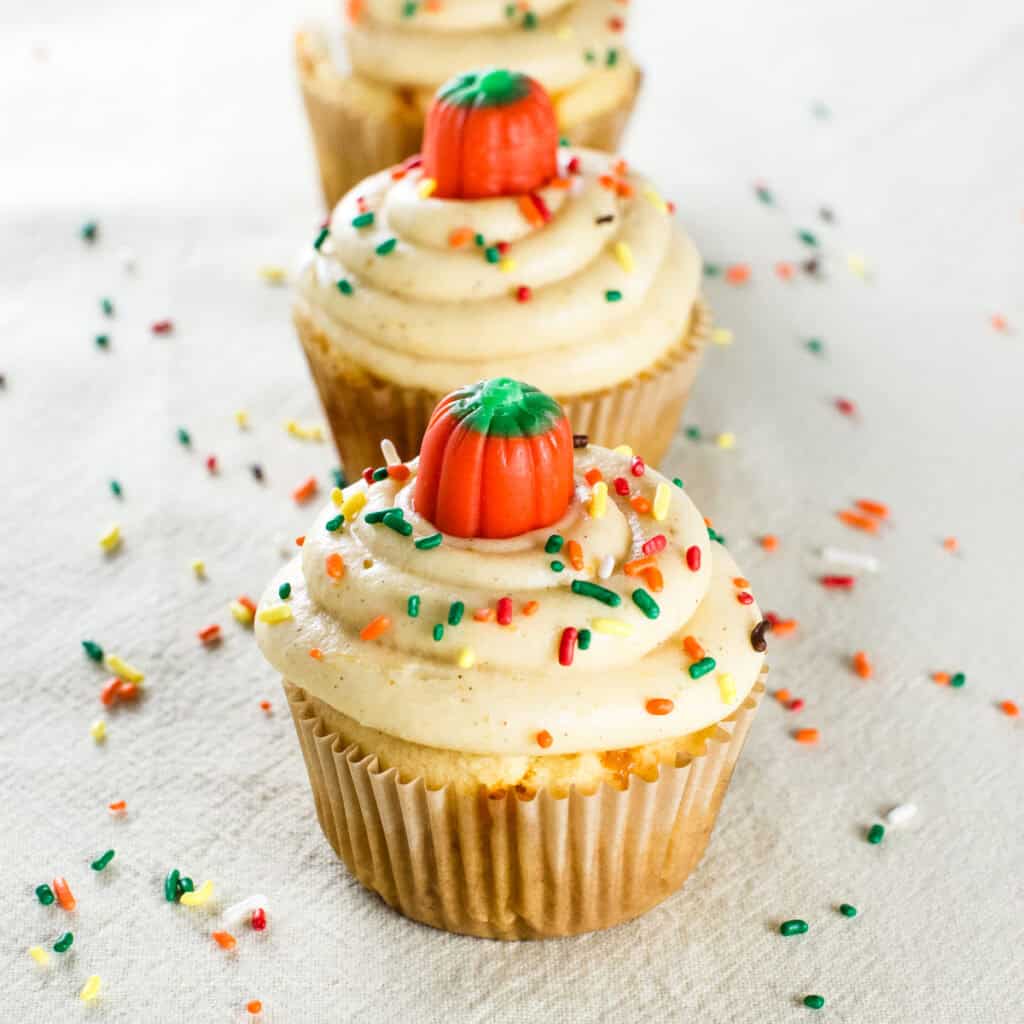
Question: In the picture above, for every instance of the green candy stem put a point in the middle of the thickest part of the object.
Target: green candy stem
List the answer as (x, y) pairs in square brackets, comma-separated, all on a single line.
[(497, 87), (504, 407)]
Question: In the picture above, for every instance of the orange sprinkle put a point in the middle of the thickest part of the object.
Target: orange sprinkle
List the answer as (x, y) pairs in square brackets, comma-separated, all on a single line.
[(659, 706), (305, 491), (529, 210), (559, 183), (738, 273), (399, 471), (209, 634), (640, 565), (334, 565), (862, 666), (225, 940), (999, 322), (247, 602), (942, 678), (785, 270), (592, 476), (783, 696), (624, 189), (531, 607), (127, 691), (354, 8), (575, 553), (655, 581), (606, 181), (806, 735), (858, 521), (769, 542), (265, 706), (432, 5), (63, 893), (620, 167), (707, 521), (483, 614), (1008, 707), (951, 544), (875, 508), (693, 648), (460, 237), (254, 1006), (640, 504), (783, 627), (375, 628), (544, 739), (741, 581), (299, 541), (117, 806), (316, 654)]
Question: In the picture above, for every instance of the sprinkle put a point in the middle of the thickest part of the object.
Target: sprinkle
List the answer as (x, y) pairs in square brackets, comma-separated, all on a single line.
[(531, 607), (275, 613), (44, 894), (624, 255), (305, 491), (702, 667), (567, 646), (102, 861), (459, 237), (98, 730), (738, 273), (857, 265), (845, 406), (612, 295), (91, 989), (225, 940), (655, 545), (199, 896), (89, 231), (353, 505), (606, 567), (637, 467), (209, 634), (847, 910), (273, 274), (593, 475), (727, 688), (386, 247), (783, 627), (504, 611), (438, 632), (554, 544), (693, 558), (638, 566), (655, 199), (198, 567), (241, 613), (375, 628), (874, 508), (957, 680), (335, 523), (334, 566), (814, 1002), (583, 639), (853, 559), (1009, 708), (722, 336), (612, 627), (862, 666), (858, 521), (876, 834), (394, 520), (93, 650), (795, 926), (586, 589), (900, 814), (257, 471), (544, 739), (254, 1006), (63, 944), (466, 658), (806, 736), (102, 340), (523, 293), (258, 920), (838, 582), (693, 648), (111, 540), (662, 497), (321, 237), (659, 706), (117, 807), (726, 440), (598, 501), (39, 955), (646, 603), (942, 678), (580, 440), (171, 885)]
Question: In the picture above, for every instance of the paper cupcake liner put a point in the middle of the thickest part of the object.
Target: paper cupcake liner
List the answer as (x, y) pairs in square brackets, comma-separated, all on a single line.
[(509, 868), (362, 409), (352, 143)]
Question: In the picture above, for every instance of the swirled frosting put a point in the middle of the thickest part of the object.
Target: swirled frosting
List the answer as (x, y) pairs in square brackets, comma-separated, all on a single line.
[(562, 43), (453, 676), (609, 280)]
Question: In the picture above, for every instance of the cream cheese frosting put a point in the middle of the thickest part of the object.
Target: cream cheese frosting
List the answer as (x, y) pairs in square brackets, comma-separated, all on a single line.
[(451, 676), (599, 288)]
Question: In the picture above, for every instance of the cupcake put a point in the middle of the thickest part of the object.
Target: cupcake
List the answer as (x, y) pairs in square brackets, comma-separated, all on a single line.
[(499, 253), (521, 669), (366, 106)]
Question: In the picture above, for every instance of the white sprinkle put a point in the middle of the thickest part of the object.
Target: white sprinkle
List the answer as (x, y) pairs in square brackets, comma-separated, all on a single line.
[(238, 912), (854, 559), (900, 814), (390, 453), (607, 567)]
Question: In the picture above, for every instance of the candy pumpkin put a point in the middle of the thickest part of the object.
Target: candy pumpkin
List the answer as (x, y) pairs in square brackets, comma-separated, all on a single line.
[(496, 461), (490, 133)]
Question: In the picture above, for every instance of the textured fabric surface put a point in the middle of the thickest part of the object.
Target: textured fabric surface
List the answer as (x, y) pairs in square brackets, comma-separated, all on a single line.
[(178, 127)]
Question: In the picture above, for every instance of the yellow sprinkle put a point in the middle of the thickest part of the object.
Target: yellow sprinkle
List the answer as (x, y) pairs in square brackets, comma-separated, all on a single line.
[(857, 264), (98, 730), (624, 255), (623, 449), (122, 669), (722, 336), (353, 505), (613, 627), (662, 497), (507, 265), (275, 613), (242, 419), (390, 452), (111, 540), (241, 613), (39, 954), (467, 657), (273, 274), (655, 199), (427, 187), (199, 568), (726, 440), (199, 896), (312, 433), (564, 33), (91, 989), (337, 496), (598, 500), (727, 688)]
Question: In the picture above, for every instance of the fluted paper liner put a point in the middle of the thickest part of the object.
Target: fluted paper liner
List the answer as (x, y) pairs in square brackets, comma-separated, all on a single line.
[(352, 143), (512, 868), (362, 408)]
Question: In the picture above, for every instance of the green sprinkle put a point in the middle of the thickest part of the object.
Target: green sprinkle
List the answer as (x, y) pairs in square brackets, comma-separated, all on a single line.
[(102, 340), (958, 680), (491, 254), (876, 834), (693, 433), (102, 861), (107, 307), (63, 944), (44, 894), (426, 543), (284, 591), (554, 544), (510, 10), (185, 884), (335, 524), (589, 56), (645, 603), (412, 606), (715, 535), (586, 589), (394, 520), (184, 437), (380, 473), (345, 286), (702, 667), (612, 57), (793, 927), (613, 295), (815, 345), (583, 639), (847, 910), (171, 885), (115, 488), (321, 238), (387, 246), (364, 220), (677, 482), (89, 231), (478, 239), (93, 650), (455, 613), (438, 632), (807, 237), (378, 517), (339, 478), (529, 20), (557, 566), (814, 1002), (409, 8), (765, 195), (712, 270)]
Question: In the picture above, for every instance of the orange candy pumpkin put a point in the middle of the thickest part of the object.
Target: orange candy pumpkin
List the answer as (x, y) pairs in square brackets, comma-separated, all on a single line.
[(490, 133), (496, 461)]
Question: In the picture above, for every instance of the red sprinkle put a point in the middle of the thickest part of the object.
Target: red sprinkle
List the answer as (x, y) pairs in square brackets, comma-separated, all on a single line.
[(655, 545), (745, 597), (621, 485), (504, 611), (211, 463), (542, 207), (502, 247), (209, 634), (797, 704), (636, 466), (838, 582), (593, 475), (567, 646), (162, 327), (523, 293), (259, 919), (299, 541), (845, 406), (693, 558), (573, 167)]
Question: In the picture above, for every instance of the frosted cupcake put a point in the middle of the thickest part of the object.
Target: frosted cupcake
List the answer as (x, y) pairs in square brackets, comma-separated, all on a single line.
[(521, 669), (366, 105), (499, 253)]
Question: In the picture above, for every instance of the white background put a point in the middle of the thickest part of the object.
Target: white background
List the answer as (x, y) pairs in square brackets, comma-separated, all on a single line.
[(178, 127)]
